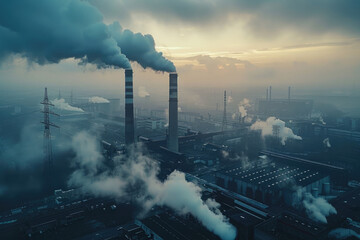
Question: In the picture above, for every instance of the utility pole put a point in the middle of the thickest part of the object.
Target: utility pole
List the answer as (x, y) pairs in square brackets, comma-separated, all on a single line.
[(224, 123), (48, 161)]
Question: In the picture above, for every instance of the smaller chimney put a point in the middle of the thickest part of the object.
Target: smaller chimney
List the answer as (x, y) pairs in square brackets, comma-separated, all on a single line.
[(289, 93), (270, 93)]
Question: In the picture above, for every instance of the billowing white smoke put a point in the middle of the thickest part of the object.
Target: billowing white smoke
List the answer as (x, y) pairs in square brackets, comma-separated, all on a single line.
[(230, 99), (98, 100), (317, 208), (243, 106), (63, 105), (243, 111), (343, 233), (135, 176), (274, 125), (327, 143), (142, 92), (233, 116), (322, 120)]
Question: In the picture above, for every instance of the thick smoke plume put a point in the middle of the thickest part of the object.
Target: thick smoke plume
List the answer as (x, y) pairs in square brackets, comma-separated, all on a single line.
[(134, 176), (317, 208), (142, 92), (96, 99), (45, 32), (275, 126), (343, 233), (63, 105), (140, 48), (230, 99)]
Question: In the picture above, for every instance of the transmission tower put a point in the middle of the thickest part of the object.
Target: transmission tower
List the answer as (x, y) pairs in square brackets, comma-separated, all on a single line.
[(48, 161), (224, 123), (71, 97)]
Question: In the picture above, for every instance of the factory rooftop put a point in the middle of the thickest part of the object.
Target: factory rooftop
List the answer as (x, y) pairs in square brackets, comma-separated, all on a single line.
[(270, 174), (172, 226)]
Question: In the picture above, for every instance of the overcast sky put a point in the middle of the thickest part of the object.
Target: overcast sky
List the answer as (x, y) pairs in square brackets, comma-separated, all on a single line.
[(213, 43)]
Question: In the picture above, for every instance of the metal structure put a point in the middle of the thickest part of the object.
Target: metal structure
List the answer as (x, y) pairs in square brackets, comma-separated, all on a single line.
[(48, 160), (71, 97), (224, 122), (289, 93), (173, 141), (129, 108), (270, 93)]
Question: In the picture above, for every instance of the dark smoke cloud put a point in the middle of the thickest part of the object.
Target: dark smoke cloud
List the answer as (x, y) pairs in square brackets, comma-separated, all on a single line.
[(49, 31), (266, 17), (140, 48)]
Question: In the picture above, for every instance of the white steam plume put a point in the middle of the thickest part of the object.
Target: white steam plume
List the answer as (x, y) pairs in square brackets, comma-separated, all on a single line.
[(243, 106), (317, 208), (243, 111), (135, 176), (63, 105), (230, 99), (274, 125), (327, 143), (233, 116), (96, 99), (142, 92), (343, 233)]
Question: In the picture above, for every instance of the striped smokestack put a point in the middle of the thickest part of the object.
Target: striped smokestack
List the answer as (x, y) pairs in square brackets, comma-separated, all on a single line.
[(173, 113), (129, 108)]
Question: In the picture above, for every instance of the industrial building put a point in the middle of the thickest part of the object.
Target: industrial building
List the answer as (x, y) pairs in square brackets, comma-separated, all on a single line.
[(272, 182), (283, 108), (169, 225)]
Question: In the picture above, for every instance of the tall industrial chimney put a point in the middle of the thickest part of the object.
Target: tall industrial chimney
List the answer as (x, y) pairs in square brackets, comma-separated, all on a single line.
[(270, 93), (173, 144), (289, 93), (129, 108)]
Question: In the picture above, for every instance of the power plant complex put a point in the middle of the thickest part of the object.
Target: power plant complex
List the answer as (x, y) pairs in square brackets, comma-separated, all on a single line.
[(262, 169), (233, 137)]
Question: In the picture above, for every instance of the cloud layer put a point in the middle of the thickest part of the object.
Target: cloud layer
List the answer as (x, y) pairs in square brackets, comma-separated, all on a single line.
[(262, 17)]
